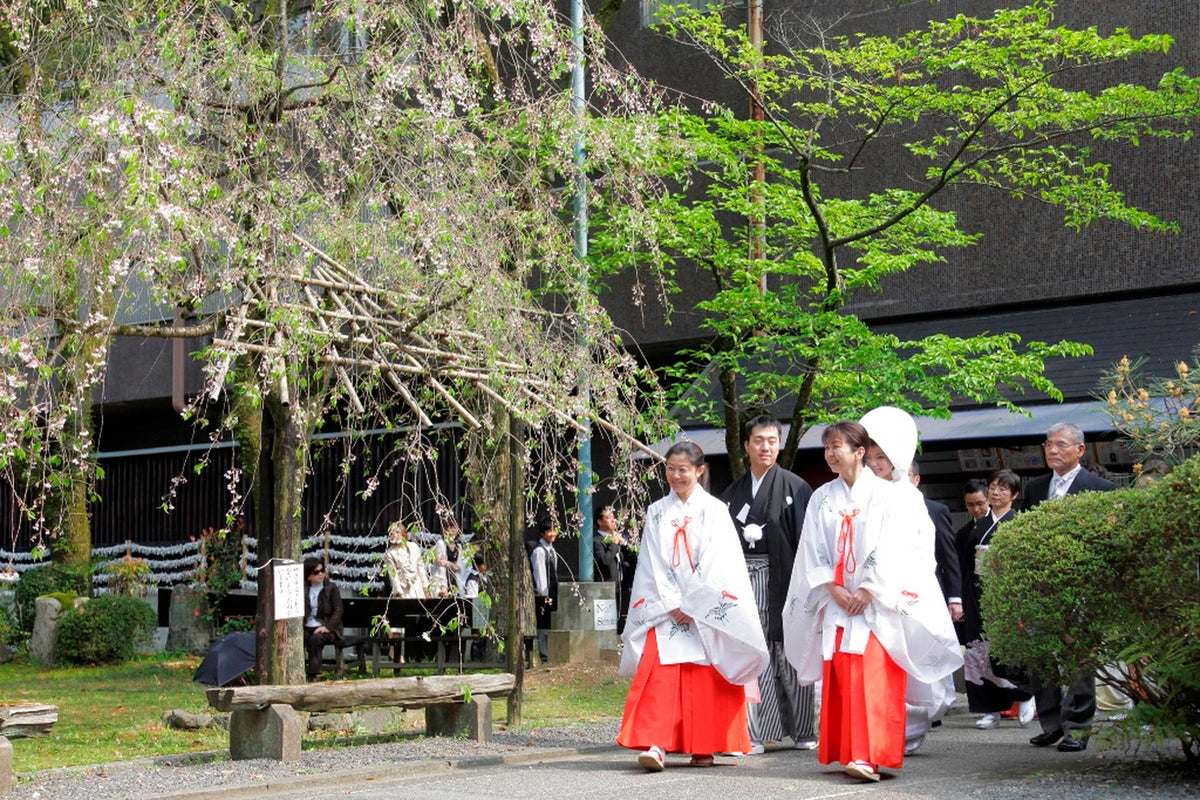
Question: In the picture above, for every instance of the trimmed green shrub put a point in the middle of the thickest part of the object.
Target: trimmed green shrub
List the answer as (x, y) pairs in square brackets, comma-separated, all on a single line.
[(10, 633), (45, 580), (1109, 578), (130, 577), (105, 630)]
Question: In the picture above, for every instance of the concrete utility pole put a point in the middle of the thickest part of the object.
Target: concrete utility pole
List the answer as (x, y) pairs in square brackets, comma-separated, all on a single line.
[(583, 481)]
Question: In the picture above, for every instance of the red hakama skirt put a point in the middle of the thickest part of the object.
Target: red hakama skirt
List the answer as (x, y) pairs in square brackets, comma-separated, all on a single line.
[(862, 707), (683, 708)]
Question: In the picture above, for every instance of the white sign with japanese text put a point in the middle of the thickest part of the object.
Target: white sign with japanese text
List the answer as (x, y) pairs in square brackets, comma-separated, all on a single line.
[(289, 591)]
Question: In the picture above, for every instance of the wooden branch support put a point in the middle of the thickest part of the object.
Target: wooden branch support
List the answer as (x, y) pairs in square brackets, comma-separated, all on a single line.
[(403, 391)]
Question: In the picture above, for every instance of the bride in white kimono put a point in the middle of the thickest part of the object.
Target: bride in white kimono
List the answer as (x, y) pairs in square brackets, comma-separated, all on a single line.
[(864, 610)]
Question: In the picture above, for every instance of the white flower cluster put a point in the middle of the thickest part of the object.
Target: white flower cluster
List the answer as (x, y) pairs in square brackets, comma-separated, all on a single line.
[(752, 533)]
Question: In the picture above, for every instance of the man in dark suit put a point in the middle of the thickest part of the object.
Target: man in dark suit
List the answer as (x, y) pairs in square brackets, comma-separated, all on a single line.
[(975, 500), (608, 555), (1064, 713), (945, 553), (767, 505)]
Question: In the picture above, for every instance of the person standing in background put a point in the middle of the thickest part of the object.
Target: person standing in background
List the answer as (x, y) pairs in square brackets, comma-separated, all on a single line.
[(544, 563), (403, 565), (446, 566), (607, 542), (1064, 712), (975, 501), (992, 687)]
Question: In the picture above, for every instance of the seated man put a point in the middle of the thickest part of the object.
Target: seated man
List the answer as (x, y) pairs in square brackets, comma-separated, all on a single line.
[(322, 614)]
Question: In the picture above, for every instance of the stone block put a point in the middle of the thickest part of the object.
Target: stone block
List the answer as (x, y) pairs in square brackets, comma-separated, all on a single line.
[(377, 720), (45, 625), (180, 720), (190, 618), (471, 720), (586, 607), (331, 722), (273, 732), (6, 768), (570, 646)]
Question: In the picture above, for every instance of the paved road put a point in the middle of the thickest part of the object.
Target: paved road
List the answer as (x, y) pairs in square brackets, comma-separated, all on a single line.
[(957, 762)]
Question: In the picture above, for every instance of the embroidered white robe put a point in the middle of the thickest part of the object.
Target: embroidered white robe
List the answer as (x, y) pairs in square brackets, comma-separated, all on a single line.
[(892, 558), (690, 559)]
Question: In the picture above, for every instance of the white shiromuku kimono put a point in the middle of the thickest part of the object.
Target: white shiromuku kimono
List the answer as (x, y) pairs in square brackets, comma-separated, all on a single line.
[(892, 556), (691, 559)]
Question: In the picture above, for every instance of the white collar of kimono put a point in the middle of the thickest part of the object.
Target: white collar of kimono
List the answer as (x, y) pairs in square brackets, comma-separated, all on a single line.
[(860, 493)]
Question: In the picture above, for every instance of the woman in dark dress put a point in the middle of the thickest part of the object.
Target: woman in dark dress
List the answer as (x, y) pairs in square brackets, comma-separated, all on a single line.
[(991, 686)]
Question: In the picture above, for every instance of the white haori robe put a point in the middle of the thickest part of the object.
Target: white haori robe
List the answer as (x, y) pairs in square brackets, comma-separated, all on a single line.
[(892, 558), (691, 559)]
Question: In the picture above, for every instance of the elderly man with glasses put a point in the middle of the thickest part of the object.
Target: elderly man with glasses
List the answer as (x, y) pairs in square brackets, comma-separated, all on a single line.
[(1065, 713)]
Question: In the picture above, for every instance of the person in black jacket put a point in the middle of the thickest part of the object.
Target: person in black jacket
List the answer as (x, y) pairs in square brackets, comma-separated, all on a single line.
[(767, 505), (322, 614), (992, 687), (945, 553), (1064, 712)]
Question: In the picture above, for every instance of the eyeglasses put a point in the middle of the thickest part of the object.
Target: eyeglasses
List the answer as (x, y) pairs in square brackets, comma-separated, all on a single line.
[(318, 571), (1056, 446)]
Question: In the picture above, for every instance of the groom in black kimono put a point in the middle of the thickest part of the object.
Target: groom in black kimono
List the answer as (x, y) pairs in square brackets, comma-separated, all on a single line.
[(767, 505)]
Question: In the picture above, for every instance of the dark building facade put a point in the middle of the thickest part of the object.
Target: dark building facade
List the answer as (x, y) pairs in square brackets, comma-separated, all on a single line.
[(1122, 290)]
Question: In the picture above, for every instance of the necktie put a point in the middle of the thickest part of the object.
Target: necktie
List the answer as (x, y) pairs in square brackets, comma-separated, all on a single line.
[(1058, 487)]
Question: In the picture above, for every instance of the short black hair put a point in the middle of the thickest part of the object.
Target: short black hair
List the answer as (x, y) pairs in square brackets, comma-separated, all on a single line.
[(544, 524), (975, 486), (761, 421), (1008, 479)]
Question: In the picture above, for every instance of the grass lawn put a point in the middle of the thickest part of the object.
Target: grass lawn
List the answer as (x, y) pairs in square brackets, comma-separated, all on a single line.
[(114, 713)]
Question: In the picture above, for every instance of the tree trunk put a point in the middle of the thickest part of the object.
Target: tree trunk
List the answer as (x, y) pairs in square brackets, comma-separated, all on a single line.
[(284, 471), (68, 504), (801, 419), (733, 422), (73, 545)]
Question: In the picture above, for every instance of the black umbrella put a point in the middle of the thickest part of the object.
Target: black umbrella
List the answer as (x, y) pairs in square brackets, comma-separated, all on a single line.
[(227, 658)]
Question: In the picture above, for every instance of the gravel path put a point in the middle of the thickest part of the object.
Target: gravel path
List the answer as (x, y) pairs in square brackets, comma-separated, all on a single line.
[(134, 780), (1118, 777)]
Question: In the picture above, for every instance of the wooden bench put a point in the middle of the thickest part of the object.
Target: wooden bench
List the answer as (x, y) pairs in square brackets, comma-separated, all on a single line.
[(264, 724)]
